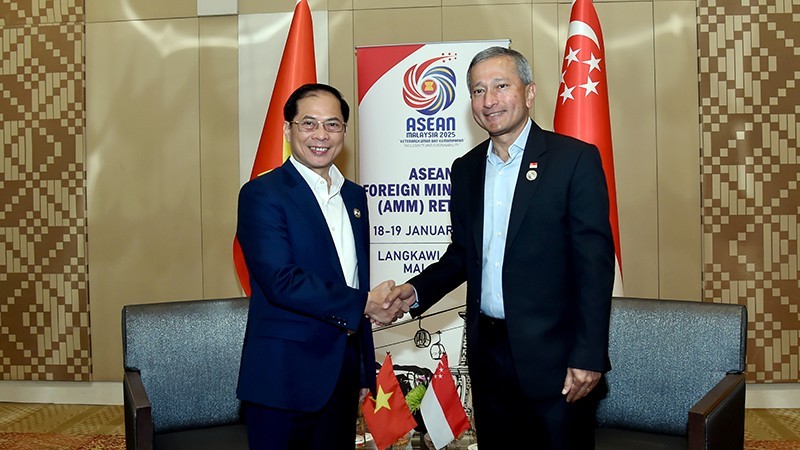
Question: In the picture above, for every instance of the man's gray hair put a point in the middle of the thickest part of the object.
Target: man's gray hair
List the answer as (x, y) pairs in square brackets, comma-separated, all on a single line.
[(523, 67)]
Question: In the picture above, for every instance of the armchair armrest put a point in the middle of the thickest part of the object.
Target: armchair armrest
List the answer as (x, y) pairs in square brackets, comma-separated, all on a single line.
[(716, 421), (138, 413)]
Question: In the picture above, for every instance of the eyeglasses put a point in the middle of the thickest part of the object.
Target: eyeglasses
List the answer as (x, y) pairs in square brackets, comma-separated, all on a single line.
[(309, 125)]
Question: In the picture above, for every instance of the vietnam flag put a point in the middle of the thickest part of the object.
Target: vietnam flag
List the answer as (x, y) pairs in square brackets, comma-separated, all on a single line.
[(298, 67), (582, 104), (387, 415), (444, 416)]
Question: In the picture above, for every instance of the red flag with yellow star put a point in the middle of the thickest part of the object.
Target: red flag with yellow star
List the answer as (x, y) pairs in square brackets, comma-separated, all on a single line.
[(387, 414)]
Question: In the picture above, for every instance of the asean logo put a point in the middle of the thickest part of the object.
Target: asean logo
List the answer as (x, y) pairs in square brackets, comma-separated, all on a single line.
[(430, 89)]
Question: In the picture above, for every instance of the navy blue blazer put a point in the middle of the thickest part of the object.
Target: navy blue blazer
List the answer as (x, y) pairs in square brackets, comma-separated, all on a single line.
[(558, 267), (301, 308)]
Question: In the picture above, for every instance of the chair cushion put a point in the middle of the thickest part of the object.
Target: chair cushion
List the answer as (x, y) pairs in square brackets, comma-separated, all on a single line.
[(188, 355), (231, 437), (617, 439), (665, 355)]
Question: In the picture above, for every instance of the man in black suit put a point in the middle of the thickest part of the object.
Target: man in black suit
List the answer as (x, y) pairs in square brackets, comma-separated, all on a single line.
[(532, 239)]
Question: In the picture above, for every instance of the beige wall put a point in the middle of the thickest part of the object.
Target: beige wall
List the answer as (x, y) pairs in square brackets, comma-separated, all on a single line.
[(163, 166), (162, 127)]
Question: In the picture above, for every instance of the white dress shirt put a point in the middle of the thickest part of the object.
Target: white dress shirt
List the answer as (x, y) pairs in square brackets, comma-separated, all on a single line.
[(500, 183), (333, 208)]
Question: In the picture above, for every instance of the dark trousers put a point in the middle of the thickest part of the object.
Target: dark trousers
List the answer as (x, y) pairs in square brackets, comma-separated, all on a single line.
[(505, 417), (332, 427)]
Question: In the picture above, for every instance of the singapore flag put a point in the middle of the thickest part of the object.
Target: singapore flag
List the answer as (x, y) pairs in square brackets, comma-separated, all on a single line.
[(441, 407), (582, 105)]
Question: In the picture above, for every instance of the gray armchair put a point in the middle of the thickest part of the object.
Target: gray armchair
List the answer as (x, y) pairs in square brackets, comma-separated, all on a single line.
[(181, 368), (677, 377)]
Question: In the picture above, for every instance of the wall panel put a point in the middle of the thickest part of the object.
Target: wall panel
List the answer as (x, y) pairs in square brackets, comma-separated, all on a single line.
[(749, 124), (123, 10), (219, 151), (342, 75), (467, 23), (279, 6), (44, 314), (630, 62), (547, 25), (483, 2), (407, 25), (677, 133), (144, 172), (405, 4)]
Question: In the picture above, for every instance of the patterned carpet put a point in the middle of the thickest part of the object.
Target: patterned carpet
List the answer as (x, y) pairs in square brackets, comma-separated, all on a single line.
[(61, 427), (50, 441), (772, 429), (772, 445), (92, 427)]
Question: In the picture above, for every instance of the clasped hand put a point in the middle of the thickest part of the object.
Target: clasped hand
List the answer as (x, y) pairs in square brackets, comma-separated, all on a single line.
[(387, 302)]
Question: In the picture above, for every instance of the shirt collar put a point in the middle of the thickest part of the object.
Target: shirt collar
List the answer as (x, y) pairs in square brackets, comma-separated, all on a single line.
[(313, 179), (517, 147)]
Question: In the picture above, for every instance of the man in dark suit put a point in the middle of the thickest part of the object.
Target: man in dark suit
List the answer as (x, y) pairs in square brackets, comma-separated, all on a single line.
[(531, 237), (304, 231)]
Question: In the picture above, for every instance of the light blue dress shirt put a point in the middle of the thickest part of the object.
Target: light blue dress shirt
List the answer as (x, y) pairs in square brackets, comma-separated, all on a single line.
[(501, 179)]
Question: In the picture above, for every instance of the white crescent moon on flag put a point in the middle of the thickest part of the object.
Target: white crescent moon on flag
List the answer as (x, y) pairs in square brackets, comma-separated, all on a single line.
[(578, 28)]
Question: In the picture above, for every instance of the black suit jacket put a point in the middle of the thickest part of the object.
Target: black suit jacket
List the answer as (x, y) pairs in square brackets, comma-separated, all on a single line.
[(558, 268), (301, 308)]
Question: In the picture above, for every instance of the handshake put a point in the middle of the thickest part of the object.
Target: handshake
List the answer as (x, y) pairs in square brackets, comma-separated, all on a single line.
[(387, 302)]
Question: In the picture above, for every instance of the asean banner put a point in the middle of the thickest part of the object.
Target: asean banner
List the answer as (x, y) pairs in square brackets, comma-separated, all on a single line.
[(414, 120)]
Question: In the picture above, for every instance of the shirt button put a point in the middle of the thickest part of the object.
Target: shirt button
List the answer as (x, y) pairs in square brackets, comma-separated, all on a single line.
[(497, 264)]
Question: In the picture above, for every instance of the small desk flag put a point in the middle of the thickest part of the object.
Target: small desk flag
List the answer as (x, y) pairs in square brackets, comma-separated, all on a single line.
[(387, 415)]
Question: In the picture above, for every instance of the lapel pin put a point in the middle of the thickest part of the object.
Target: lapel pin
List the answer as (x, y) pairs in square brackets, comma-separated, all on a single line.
[(357, 213), (531, 174)]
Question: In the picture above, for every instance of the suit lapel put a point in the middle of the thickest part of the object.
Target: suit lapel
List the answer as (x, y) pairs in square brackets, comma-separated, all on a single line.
[(535, 154), (358, 219), (476, 191), (301, 195)]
